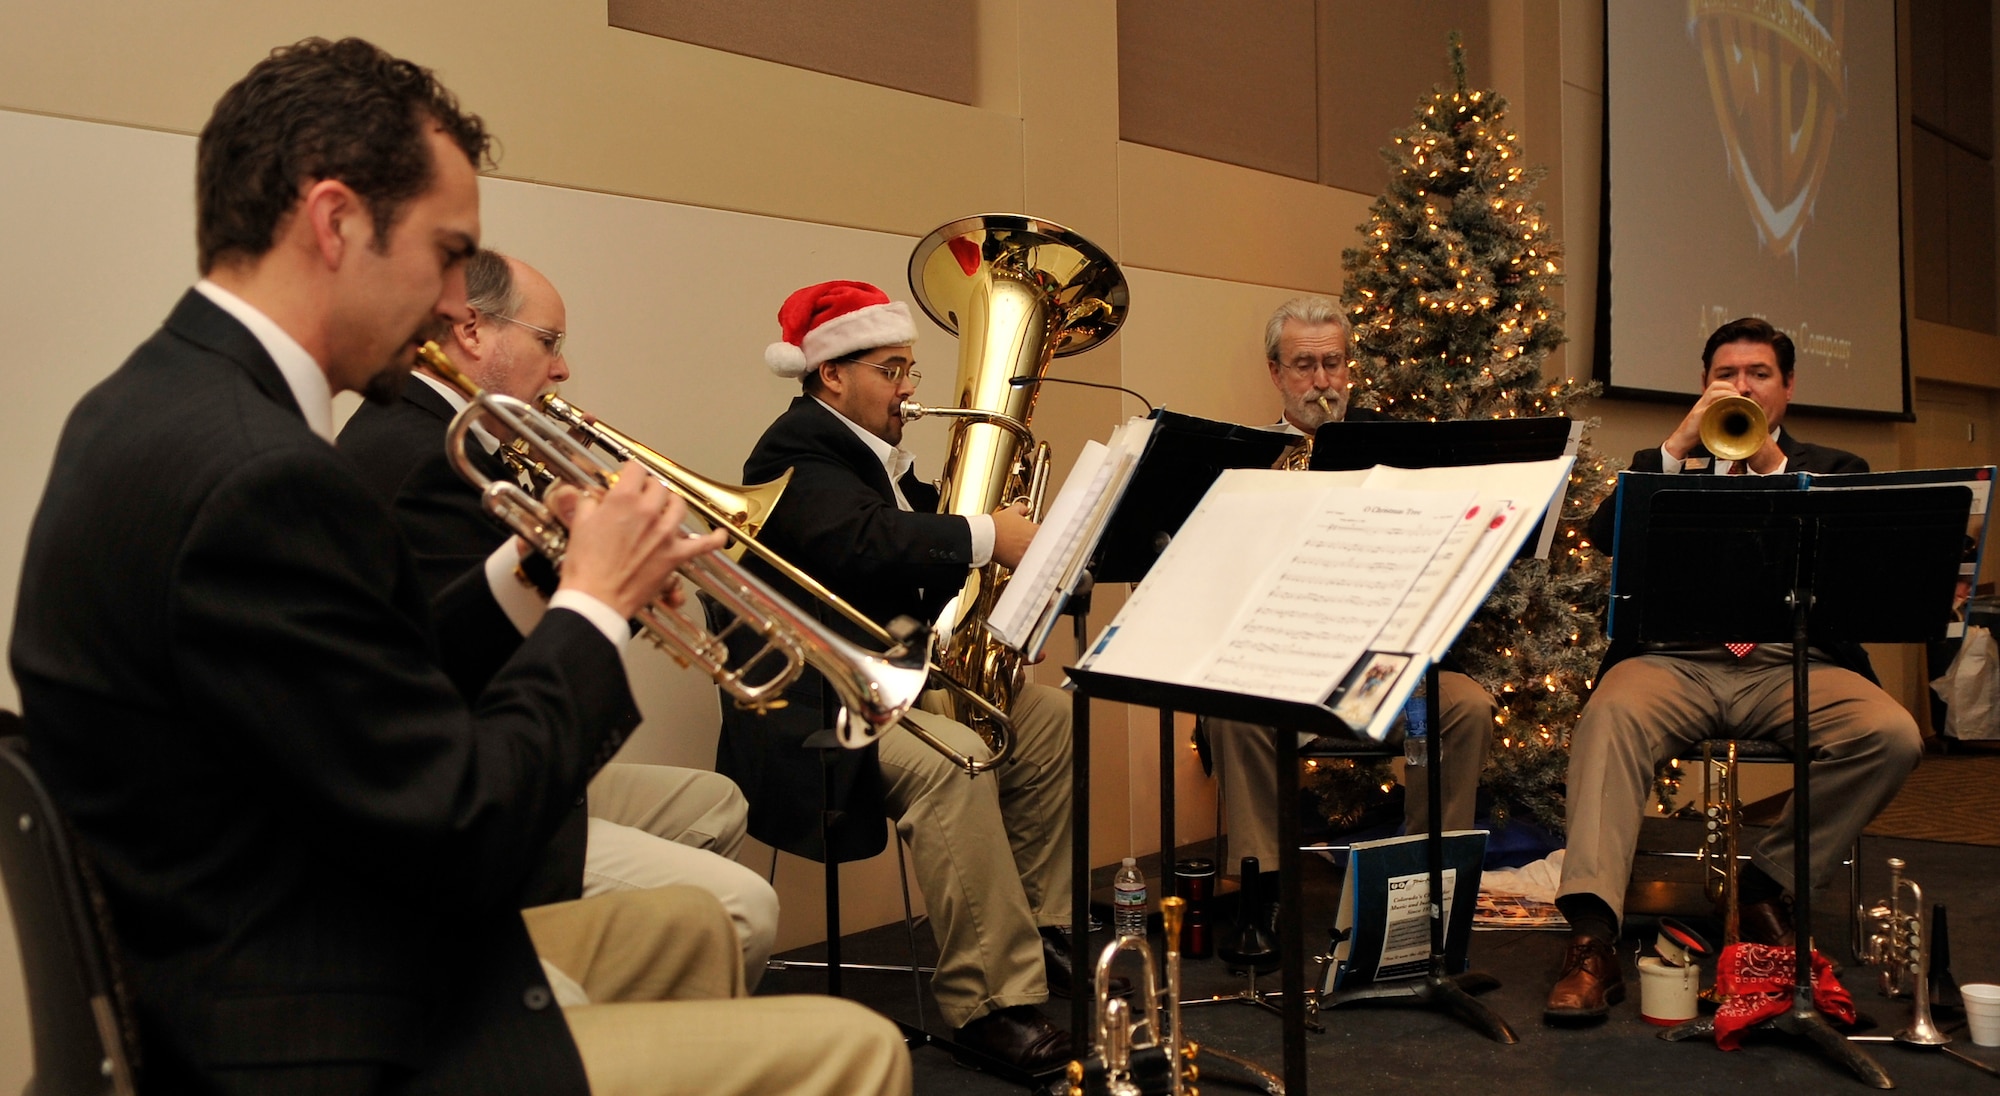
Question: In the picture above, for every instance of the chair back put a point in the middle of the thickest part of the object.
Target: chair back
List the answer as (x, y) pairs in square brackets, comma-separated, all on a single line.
[(81, 1046)]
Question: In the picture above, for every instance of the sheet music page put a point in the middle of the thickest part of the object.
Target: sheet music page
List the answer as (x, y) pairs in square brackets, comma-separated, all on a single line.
[(1400, 633), (1034, 581), (1336, 562)]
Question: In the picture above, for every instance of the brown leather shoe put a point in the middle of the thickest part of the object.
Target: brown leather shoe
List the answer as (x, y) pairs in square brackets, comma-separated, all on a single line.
[(1020, 1036), (1767, 922), (1062, 980), (1590, 983)]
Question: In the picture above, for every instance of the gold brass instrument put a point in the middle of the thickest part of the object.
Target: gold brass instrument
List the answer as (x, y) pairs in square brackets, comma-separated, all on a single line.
[(743, 511), (1018, 292), (874, 690), (1722, 826), (1140, 1057), (1734, 428), (1896, 941)]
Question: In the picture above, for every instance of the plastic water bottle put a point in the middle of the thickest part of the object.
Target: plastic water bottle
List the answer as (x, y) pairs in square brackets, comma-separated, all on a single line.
[(1416, 716), (1128, 900)]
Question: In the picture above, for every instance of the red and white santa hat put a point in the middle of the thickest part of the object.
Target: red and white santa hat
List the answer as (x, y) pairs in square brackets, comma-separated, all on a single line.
[(832, 320)]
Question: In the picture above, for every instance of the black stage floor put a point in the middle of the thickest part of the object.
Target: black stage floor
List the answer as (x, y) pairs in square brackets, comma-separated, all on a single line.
[(1397, 1049)]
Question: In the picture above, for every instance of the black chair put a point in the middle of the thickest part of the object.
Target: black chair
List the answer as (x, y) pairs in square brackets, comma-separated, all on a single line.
[(83, 1034)]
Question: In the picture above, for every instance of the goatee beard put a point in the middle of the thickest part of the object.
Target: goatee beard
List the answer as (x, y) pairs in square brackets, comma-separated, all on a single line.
[(386, 386)]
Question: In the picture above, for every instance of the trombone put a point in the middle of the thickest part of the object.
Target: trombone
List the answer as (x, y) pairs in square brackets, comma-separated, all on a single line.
[(874, 690)]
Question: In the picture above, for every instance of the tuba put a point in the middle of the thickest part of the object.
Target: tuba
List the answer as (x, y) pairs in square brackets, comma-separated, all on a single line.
[(874, 689), (1018, 292)]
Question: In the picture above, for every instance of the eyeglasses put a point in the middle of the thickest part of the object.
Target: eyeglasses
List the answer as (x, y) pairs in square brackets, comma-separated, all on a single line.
[(1306, 367), (895, 373), (552, 341)]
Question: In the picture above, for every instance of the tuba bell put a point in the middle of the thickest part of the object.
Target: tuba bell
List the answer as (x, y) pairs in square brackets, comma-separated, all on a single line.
[(1734, 428), (1018, 292)]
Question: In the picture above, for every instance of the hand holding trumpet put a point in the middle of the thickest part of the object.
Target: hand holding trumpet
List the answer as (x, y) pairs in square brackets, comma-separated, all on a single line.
[(626, 547), (1766, 459)]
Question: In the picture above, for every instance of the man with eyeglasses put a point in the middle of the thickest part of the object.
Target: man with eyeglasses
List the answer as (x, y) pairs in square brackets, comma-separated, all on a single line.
[(645, 825), (1306, 351), (991, 854)]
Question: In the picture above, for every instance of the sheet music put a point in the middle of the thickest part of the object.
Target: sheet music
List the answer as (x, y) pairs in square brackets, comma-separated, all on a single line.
[(1444, 567), (1324, 602)]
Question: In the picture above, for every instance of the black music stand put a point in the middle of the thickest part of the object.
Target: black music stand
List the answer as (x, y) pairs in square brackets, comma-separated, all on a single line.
[(1820, 567)]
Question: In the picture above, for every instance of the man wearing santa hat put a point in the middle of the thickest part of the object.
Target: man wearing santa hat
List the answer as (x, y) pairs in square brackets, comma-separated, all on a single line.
[(991, 854)]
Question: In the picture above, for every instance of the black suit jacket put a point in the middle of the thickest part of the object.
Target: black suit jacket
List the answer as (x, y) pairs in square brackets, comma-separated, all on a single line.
[(1800, 456), (399, 449), (310, 844), (838, 520)]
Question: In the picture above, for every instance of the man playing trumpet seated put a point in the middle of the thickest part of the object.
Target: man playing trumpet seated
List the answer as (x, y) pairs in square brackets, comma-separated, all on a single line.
[(991, 854), (1653, 701), (645, 825), (1306, 351), (310, 842)]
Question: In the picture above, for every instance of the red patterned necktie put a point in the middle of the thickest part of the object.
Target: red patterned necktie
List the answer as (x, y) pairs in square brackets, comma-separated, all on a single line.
[(1740, 649)]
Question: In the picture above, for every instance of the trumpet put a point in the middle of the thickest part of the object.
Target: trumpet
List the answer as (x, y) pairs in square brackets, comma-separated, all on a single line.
[(874, 690), (742, 511), (1896, 942), (1734, 428), (1162, 1062)]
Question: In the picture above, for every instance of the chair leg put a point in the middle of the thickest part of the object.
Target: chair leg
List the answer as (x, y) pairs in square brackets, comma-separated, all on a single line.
[(910, 930)]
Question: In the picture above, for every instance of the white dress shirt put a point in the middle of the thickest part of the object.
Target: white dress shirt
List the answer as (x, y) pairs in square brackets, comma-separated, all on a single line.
[(896, 461), (1716, 465), (522, 603)]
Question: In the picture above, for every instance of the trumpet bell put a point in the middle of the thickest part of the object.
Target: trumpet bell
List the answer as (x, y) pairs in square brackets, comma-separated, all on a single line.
[(1734, 428)]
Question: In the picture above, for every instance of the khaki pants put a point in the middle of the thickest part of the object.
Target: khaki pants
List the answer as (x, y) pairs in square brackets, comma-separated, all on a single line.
[(668, 1015), (1246, 762), (1654, 706), (991, 854), (661, 826)]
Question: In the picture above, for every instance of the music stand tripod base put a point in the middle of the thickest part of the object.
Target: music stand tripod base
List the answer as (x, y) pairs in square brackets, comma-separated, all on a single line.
[(1435, 989), (1805, 1021)]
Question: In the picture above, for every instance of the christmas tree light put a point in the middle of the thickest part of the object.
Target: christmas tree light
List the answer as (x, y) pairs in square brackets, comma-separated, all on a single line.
[(1453, 319)]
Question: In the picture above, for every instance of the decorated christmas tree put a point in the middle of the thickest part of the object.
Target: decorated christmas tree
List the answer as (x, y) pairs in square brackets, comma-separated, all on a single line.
[(1450, 299)]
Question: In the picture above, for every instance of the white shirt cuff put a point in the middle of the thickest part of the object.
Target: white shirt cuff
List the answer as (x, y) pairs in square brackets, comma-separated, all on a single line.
[(520, 601), (982, 538), (602, 616), (1668, 462)]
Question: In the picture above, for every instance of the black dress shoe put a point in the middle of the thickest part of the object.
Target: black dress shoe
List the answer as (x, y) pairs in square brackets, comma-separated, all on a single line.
[(1062, 979), (1020, 1036)]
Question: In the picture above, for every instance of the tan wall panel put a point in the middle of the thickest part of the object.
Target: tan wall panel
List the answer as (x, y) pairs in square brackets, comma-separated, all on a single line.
[(921, 46), (1232, 82), (1194, 216), (1953, 354), (575, 102), (1375, 61)]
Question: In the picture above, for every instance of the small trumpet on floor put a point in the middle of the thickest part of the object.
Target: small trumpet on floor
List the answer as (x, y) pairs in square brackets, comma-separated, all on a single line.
[(1895, 940), (1140, 1057)]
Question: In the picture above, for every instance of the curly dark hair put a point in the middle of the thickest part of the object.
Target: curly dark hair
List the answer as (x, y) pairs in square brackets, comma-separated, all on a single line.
[(318, 110), (1751, 329)]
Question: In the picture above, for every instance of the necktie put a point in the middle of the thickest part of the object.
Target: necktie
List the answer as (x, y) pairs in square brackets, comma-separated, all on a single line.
[(1740, 649)]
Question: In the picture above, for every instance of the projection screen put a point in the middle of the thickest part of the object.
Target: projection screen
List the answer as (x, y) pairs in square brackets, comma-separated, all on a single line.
[(1752, 170)]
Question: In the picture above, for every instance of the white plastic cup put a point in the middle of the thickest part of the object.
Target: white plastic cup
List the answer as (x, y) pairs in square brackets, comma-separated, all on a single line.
[(1668, 994), (1982, 1012)]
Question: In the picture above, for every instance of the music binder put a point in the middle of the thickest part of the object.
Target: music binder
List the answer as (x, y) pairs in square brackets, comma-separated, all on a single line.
[(1316, 600)]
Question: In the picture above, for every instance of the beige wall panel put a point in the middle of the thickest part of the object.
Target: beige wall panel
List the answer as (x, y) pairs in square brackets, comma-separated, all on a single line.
[(1375, 61), (1193, 216), (1582, 33), (1581, 183), (921, 46), (1953, 354), (1231, 82), (574, 101), (1198, 348)]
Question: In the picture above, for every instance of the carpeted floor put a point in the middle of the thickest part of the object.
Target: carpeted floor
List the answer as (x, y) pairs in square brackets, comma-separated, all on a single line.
[(1391, 1049), (1948, 798)]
